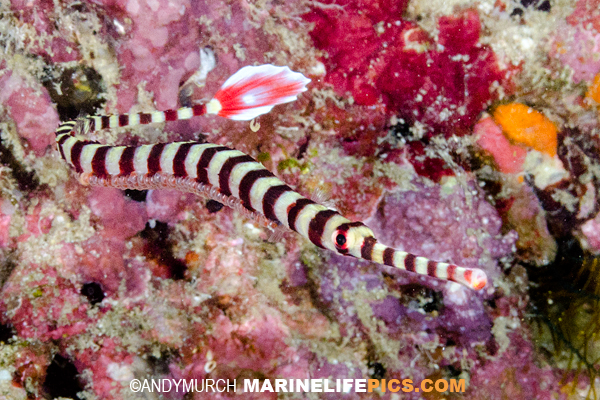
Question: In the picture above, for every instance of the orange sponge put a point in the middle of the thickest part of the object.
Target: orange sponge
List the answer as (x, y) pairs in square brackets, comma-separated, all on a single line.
[(522, 124), (594, 90)]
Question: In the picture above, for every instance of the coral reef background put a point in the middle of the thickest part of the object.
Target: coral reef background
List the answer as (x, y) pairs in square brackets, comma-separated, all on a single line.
[(464, 131)]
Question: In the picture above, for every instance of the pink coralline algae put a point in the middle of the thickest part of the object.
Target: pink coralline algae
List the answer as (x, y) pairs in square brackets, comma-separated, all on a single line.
[(64, 310), (40, 16), (577, 40), (118, 285), (377, 56), (149, 27), (587, 14), (167, 205), (31, 108), (579, 48), (120, 216), (508, 157), (591, 233), (515, 374)]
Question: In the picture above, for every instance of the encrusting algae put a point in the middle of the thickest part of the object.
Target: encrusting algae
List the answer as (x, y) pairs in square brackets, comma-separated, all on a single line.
[(104, 285)]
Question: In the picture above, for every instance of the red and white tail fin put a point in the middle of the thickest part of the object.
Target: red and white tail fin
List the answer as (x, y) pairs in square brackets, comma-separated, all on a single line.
[(253, 91)]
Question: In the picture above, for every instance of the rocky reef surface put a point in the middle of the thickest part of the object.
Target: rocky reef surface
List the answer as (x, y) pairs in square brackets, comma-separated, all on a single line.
[(459, 130)]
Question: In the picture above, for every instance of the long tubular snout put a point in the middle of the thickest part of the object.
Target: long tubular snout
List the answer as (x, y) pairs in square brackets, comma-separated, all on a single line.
[(473, 278)]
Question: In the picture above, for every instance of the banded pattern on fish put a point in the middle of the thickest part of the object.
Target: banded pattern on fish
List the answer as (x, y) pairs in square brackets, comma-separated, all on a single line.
[(232, 177)]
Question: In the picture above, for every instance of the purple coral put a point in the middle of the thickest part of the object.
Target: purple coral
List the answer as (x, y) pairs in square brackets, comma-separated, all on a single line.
[(430, 221)]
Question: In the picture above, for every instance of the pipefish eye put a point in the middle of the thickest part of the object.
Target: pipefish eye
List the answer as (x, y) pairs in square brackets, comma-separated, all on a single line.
[(340, 240)]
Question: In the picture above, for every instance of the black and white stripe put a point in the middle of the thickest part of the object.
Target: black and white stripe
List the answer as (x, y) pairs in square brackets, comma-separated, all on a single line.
[(236, 176)]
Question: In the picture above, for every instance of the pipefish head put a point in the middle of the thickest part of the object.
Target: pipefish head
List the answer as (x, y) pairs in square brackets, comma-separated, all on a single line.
[(348, 238), (357, 240)]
